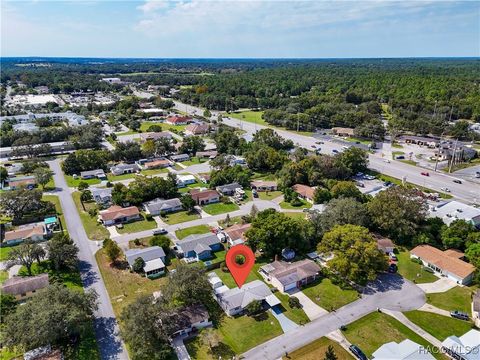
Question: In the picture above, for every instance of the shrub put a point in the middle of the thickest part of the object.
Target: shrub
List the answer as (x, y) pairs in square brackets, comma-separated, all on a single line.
[(254, 307), (138, 265), (137, 242), (296, 202), (293, 302), (162, 241), (223, 267), (82, 185), (109, 184), (92, 212), (149, 217)]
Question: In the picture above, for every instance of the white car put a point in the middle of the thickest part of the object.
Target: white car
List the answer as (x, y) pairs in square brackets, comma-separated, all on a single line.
[(445, 189), (387, 161)]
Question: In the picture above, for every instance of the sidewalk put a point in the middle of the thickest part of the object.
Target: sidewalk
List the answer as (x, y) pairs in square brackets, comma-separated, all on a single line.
[(435, 310)]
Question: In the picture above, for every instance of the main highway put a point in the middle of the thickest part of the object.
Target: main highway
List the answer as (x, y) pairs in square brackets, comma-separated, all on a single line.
[(468, 192)]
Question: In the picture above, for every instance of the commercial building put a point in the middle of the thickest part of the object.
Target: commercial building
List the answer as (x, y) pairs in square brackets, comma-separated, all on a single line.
[(454, 210)]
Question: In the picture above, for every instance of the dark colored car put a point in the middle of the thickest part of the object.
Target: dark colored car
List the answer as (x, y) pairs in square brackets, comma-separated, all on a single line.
[(457, 181), (387, 183), (357, 352), (425, 174), (459, 315), (392, 268), (255, 193)]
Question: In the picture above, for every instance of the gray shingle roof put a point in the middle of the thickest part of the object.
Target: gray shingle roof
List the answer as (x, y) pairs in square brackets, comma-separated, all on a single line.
[(229, 187), (158, 205), (233, 298), (147, 254), (191, 242)]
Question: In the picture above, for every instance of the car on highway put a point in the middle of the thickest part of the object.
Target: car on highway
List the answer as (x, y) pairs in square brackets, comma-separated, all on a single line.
[(369, 177), (335, 151), (477, 174), (357, 352), (425, 173), (160, 231), (319, 142), (457, 181), (445, 189), (459, 315), (313, 146)]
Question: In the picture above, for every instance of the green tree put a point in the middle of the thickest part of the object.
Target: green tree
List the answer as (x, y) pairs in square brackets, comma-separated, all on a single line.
[(188, 204), (43, 176), (26, 254), (207, 113), (293, 302), (210, 338), (138, 265), (162, 241), (83, 185), (455, 235), (3, 174), (354, 159), (473, 254), (112, 250), (254, 308), (341, 212), (86, 196), (62, 252), (321, 195), (191, 145), (8, 304), (330, 354), (23, 203), (346, 189)]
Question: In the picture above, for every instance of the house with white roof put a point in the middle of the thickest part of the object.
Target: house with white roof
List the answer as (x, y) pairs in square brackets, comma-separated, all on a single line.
[(465, 347), (154, 258), (405, 350), (159, 206), (454, 210), (184, 180), (102, 196)]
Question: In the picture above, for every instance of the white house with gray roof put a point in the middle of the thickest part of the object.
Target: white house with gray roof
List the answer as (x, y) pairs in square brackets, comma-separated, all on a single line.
[(102, 196), (405, 350), (121, 169), (158, 206), (154, 258), (228, 189), (199, 247), (93, 174)]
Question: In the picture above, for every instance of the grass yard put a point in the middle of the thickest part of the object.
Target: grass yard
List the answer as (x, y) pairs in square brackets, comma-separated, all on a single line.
[(165, 127), (295, 215), (329, 296), (458, 298), (270, 195), (70, 279), (220, 208), (358, 140), (438, 325), (95, 231), (4, 251), (58, 207), (233, 220), (154, 171), (288, 206), (194, 161), (180, 217), (50, 185), (71, 182), (397, 153), (121, 177), (372, 331), (137, 226), (294, 314), (316, 350), (227, 278), (413, 271), (3, 276), (199, 229)]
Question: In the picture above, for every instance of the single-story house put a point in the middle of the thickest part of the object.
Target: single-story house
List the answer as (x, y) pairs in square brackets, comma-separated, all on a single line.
[(102, 196), (237, 160), (118, 215), (465, 347), (14, 183), (159, 206), (228, 189), (404, 350), (93, 174), (34, 232), (184, 180), (236, 233), (447, 263), (155, 136), (178, 120), (234, 301), (197, 129), (199, 247), (304, 191), (210, 154), (190, 319), (261, 185), (205, 178), (43, 353), (476, 308), (121, 169), (289, 276), (180, 157), (156, 164), (384, 244), (22, 287), (343, 131), (204, 197), (454, 210), (154, 258)]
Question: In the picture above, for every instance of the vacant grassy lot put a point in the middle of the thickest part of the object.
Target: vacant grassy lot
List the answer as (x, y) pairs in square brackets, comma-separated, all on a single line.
[(180, 217), (194, 161), (295, 215), (71, 182), (288, 206), (220, 208), (329, 296), (376, 329), (165, 127), (413, 271), (71, 279), (458, 298), (94, 230), (3, 276), (316, 350), (270, 195), (113, 178), (137, 226), (199, 229), (438, 325), (154, 172)]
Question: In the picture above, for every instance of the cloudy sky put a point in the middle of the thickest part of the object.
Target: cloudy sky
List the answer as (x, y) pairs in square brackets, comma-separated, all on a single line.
[(236, 29)]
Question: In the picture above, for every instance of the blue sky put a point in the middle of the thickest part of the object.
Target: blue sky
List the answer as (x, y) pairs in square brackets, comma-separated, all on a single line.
[(199, 28)]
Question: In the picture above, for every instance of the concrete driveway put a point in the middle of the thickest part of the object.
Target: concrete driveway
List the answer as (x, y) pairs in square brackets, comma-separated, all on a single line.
[(286, 324), (312, 310), (180, 349), (439, 286)]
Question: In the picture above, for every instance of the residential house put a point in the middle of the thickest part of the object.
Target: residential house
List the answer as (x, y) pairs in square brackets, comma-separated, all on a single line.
[(14, 168), (155, 136), (180, 157), (199, 247), (446, 263), (154, 258), (43, 353), (184, 180), (404, 350), (454, 210), (178, 120), (118, 215), (121, 169), (304, 191), (93, 174), (160, 206), (228, 189), (23, 287), (156, 164), (237, 160), (262, 185), (343, 131), (197, 129), (384, 244), (204, 196), (476, 308), (191, 319), (14, 183), (236, 233), (289, 276), (34, 232), (205, 178), (210, 154), (102, 196), (465, 347)]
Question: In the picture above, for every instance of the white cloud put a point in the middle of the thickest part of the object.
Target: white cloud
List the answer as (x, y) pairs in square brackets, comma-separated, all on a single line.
[(152, 5)]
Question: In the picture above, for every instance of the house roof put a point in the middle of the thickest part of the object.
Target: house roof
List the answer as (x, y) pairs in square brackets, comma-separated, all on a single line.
[(179, 156), (43, 353), (24, 232), (95, 172), (206, 153), (407, 349), (287, 273), (304, 190), (456, 210), (116, 212), (237, 231), (190, 315), (229, 187), (467, 345), (23, 180), (147, 254), (203, 194), (153, 265), (178, 119), (125, 167), (241, 297), (263, 183), (155, 163), (18, 285), (191, 242), (102, 192), (343, 130), (160, 204), (198, 128), (443, 260), (476, 301), (183, 178), (383, 243), (155, 135)]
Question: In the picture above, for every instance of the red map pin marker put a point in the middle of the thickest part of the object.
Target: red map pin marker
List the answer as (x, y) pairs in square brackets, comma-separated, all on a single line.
[(240, 271)]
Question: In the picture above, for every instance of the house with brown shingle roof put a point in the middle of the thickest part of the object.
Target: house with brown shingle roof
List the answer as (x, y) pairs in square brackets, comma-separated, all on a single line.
[(155, 136), (178, 120), (447, 263), (34, 232), (286, 276), (342, 131), (204, 197), (236, 233), (118, 215), (262, 185), (197, 129), (304, 191), (22, 287), (156, 164)]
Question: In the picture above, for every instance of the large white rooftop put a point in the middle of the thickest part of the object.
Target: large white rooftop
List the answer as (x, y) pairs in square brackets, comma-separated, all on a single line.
[(454, 210)]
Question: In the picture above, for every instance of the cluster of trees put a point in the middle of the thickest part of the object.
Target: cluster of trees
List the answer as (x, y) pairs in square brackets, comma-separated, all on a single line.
[(84, 160), (25, 206), (229, 174)]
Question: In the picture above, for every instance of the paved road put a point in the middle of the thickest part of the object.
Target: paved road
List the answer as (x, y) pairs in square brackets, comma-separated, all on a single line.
[(390, 292), (106, 328)]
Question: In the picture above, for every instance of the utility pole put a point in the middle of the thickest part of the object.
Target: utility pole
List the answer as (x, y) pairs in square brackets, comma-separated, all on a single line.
[(438, 153), (298, 122), (453, 156)]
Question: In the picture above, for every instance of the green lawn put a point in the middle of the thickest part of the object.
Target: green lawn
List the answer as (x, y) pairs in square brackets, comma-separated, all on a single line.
[(50, 185), (295, 215), (358, 140), (288, 206), (316, 350), (176, 128), (220, 208), (3, 276), (4, 251), (180, 217), (154, 171), (121, 177), (194, 161), (294, 314), (71, 279), (458, 298), (372, 331), (95, 231), (438, 325), (397, 153), (58, 207), (413, 271), (199, 229), (71, 182), (137, 226), (329, 296), (264, 195)]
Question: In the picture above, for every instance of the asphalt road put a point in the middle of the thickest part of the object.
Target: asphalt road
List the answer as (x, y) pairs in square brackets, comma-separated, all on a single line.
[(106, 328), (390, 292)]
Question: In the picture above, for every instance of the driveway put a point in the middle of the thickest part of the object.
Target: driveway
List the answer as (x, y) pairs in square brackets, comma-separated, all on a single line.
[(441, 285), (180, 349), (286, 324), (435, 310), (312, 310)]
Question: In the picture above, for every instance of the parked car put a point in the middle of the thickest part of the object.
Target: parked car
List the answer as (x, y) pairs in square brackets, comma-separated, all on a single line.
[(369, 177), (425, 173), (392, 268), (255, 193), (400, 157), (387, 161), (445, 189), (360, 184), (357, 352), (313, 146), (477, 174), (457, 181), (319, 142), (160, 231), (392, 256), (335, 151), (459, 315), (387, 183)]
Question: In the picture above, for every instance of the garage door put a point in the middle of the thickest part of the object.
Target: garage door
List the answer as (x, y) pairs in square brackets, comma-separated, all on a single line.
[(290, 286)]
